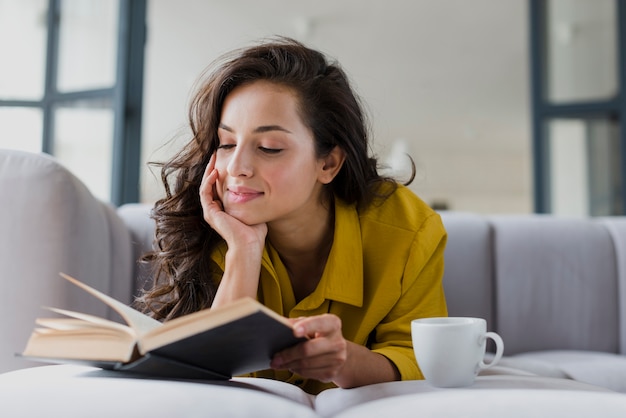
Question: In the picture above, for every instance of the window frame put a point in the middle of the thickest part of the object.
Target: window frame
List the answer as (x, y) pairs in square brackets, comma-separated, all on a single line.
[(126, 95), (542, 110)]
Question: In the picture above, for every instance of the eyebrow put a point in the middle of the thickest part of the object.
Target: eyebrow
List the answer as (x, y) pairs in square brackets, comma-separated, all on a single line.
[(260, 129)]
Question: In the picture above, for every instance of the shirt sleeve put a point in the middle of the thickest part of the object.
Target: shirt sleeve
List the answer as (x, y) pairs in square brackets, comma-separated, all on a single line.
[(422, 296)]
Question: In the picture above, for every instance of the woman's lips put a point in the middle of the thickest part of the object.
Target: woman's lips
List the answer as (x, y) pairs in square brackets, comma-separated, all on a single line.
[(242, 195)]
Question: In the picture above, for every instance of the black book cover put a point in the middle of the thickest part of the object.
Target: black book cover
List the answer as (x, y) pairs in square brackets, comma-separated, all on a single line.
[(242, 346)]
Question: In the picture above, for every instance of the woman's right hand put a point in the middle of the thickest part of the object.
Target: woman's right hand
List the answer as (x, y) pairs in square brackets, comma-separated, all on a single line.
[(234, 232), (245, 243)]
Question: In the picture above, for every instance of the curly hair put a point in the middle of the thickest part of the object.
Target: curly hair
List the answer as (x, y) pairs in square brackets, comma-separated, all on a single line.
[(327, 104)]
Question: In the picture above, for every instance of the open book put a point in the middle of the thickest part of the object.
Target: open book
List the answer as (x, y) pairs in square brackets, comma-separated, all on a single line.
[(215, 343)]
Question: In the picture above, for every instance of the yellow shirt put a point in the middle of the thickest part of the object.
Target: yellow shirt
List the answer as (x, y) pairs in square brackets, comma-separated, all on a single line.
[(384, 269)]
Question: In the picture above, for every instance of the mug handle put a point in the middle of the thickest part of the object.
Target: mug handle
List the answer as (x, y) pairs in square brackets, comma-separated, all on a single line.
[(499, 351)]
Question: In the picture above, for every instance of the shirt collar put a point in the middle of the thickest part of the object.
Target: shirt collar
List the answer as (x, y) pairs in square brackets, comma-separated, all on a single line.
[(342, 279)]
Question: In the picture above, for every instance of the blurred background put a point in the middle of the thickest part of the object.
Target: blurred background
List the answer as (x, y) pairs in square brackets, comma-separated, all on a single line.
[(506, 106)]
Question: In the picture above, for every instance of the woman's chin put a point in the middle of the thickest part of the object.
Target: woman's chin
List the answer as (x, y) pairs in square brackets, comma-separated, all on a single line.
[(246, 218)]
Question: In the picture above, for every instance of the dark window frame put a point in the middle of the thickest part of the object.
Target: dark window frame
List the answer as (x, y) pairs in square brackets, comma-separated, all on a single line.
[(126, 96), (542, 110)]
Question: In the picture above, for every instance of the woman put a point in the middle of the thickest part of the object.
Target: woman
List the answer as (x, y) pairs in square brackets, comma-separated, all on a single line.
[(275, 197)]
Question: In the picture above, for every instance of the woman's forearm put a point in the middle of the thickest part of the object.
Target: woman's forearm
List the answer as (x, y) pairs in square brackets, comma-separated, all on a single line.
[(241, 276)]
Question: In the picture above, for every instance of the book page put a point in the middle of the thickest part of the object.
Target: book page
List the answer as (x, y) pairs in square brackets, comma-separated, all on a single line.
[(139, 322), (97, 345), (82, 320)]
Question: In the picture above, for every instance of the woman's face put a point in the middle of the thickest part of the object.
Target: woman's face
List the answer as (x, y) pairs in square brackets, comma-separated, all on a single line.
[(266, 160)]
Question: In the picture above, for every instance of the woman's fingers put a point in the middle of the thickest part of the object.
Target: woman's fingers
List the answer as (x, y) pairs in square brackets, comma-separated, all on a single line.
[(208, 199), (232, 230), (318, 325), (322, 356), (207, 186)]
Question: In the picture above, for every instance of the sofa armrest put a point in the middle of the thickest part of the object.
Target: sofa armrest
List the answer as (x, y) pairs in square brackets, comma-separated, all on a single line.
[(51, 223)]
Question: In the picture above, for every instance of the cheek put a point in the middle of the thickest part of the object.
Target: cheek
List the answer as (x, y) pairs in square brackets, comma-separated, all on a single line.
[(220, 162), (282, 177), (295, 179)]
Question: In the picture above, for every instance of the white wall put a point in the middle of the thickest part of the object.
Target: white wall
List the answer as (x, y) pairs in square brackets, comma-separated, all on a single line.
[(448, 76)]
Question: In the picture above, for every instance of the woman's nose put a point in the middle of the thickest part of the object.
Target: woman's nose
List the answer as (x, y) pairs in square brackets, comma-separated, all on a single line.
[(240, 164)]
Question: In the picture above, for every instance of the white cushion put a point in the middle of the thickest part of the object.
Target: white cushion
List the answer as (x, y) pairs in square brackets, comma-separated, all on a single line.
[(597, 368), (79, 392)]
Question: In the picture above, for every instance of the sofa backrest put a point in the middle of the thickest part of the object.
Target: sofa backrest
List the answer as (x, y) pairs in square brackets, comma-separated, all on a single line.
[(468, 274), (616, 225), (136, 217), (556, 284), (542, 282)]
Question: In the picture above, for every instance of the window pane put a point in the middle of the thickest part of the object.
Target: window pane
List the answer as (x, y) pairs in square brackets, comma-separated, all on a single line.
[(605, 164), (22, 48), (87, 44), (20, 128), (585, 167), (581, 50), (83, 142)]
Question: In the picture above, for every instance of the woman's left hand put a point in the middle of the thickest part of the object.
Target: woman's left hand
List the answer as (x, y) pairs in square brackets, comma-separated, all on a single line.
[(323, 356)]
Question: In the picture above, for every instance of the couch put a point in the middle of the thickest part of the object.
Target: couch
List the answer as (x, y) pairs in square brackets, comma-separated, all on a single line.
[(553, 288)]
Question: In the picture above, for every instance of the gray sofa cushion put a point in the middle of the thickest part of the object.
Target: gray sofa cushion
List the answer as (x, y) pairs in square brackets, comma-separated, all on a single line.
[(136, 218), (555, 284), (468, 275), (617, 228)]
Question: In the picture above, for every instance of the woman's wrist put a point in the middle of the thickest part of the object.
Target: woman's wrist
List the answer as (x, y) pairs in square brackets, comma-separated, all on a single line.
[(353, 373), (241, 274)]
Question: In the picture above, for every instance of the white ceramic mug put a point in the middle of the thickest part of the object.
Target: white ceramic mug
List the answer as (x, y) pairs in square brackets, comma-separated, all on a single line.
[(450, 351)]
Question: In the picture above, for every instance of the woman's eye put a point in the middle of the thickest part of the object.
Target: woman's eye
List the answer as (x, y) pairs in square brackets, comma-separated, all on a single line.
[(225, 146), (270, 150)]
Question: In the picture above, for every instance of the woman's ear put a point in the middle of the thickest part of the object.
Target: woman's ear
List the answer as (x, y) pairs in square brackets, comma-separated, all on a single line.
[(331, 164)]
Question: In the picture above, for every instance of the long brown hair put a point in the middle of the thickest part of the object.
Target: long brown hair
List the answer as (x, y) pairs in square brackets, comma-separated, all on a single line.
[(327, 105)]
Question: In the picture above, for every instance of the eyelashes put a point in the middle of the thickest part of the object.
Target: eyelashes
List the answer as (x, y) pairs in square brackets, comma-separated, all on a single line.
[(265, 150), (271, 151)]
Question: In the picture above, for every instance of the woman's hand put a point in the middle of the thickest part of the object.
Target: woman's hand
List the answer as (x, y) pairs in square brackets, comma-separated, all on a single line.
[(232, 230), (323, 356), (245, 243), (328, 357)]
